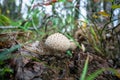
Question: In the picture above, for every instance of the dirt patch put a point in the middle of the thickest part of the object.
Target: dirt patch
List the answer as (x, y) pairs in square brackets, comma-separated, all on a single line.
[(54, 67)]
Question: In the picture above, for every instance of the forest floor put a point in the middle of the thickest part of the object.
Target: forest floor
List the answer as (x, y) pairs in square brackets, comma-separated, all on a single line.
[(31, 64)]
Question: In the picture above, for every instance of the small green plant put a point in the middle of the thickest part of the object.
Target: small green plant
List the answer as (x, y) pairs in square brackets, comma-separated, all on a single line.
[(93, 38), (100, 43), (85, 69), (91, 76), (5, 70), (95, 74), (69, 53)]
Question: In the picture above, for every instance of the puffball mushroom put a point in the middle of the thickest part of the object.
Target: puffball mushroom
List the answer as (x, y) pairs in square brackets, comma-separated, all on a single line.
[(58, 41), (73, 46)]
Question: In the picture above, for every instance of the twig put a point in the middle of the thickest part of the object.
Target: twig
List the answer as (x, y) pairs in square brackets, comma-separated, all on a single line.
[(14, 27)]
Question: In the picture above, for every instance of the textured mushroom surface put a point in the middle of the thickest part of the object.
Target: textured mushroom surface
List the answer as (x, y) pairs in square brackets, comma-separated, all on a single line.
[(73, 46), (58, 41)]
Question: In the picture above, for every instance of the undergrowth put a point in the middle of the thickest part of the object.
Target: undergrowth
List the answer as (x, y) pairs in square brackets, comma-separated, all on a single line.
[(95, 36)]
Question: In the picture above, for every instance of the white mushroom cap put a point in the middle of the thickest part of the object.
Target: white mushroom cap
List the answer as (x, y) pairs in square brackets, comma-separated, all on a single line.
[(58, 41)]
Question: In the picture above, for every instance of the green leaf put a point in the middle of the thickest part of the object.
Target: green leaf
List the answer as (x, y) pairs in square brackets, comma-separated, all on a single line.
[(61, 0), (115, 72), (16, 23), (4, 21), (95, 74), (85, 69), (109, 0), (98, 72), (115, 6), (7, 52), (27, 25), (97, 49), (5, 70), (92, 31), (69, 53)]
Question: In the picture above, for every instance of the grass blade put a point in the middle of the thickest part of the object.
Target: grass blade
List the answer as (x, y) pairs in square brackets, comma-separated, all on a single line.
[(85, 69), (7, 52), (95, 74)]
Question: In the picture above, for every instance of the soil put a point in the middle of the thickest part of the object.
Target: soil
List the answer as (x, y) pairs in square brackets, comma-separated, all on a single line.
[(55, 67), (35, 64)]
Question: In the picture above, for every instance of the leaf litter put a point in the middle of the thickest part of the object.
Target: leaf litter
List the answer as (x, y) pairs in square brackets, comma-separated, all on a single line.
[(32, 63)]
